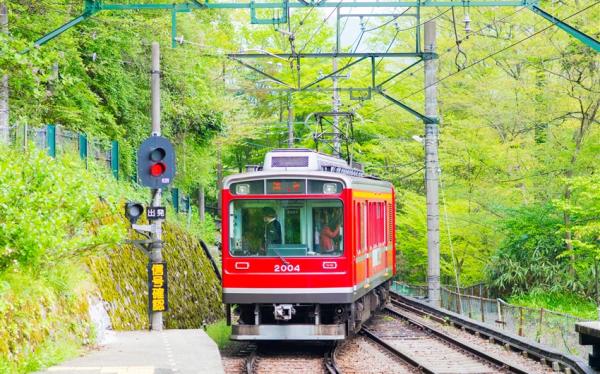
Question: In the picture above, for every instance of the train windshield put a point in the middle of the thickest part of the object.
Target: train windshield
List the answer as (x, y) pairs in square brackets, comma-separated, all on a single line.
[(286, 228)]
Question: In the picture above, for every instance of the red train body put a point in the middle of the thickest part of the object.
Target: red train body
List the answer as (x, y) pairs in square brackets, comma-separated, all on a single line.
[(308, 247)]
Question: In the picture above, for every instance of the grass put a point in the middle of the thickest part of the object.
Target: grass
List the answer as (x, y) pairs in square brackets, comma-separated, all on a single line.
[(219, 332), (558, 302), (51, 352)]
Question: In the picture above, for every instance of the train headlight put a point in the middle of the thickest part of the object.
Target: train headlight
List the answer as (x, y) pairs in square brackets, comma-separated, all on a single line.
[(242, 189), (329, 188)]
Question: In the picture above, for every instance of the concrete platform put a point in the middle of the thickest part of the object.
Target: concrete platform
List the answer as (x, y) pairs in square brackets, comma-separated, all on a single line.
[(591, 328), (145, 352)]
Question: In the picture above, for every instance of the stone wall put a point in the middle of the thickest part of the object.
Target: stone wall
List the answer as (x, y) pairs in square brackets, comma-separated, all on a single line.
[(194, 289)]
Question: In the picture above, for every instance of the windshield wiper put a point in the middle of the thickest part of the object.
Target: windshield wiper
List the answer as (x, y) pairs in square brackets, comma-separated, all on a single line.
[(280, 256)]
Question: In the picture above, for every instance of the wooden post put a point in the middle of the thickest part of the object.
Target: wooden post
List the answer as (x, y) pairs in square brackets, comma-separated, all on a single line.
[(540, 329), (482, 308), (521, 321)]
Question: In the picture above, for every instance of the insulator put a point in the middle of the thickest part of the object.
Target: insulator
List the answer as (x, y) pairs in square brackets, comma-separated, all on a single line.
[(467, 21)]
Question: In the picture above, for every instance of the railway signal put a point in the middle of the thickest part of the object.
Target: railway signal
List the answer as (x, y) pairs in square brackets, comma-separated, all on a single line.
[(133, 211), (156, 162)]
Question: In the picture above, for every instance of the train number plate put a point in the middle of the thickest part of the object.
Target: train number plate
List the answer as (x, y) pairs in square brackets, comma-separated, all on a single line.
[(289, 268)]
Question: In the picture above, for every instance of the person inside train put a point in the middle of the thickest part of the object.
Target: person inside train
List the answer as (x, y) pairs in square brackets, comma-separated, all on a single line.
[(329, 232), (272, 230)]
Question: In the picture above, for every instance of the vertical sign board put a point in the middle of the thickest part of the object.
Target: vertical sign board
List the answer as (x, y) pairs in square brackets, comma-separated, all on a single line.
[(157, 287)]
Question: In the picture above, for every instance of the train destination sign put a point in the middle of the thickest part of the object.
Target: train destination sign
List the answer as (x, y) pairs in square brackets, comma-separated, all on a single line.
[(286, 186), (157, 287)]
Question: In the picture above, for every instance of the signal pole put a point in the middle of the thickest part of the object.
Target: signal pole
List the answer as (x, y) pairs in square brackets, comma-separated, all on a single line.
[(4, 123), (290, 121), (432, 170), (156, 318)]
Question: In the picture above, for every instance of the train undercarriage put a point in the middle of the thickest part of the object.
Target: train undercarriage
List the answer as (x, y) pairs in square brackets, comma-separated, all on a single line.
[(305, 321)]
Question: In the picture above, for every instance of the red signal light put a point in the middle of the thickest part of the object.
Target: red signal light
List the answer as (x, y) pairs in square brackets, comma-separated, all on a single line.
[(158, 169)]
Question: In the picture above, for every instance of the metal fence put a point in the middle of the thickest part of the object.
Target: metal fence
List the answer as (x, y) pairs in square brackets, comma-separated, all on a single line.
[(543, 326), (58, 141)]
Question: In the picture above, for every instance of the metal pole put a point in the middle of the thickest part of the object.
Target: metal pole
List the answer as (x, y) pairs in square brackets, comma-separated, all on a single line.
[(336, 103), (432, 170), (4, 124), (201, 203), (156, 318), (290, 121), (155, 89)]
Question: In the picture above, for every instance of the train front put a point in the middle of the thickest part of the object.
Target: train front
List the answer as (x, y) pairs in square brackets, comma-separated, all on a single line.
[(286, 274)]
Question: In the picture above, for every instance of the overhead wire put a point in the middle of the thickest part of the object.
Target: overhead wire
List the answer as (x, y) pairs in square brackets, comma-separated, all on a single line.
[(318, 29), (476, 62), (500, 51)]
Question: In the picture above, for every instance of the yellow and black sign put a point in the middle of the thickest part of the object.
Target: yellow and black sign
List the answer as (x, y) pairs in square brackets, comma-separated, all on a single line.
[(157, 287)]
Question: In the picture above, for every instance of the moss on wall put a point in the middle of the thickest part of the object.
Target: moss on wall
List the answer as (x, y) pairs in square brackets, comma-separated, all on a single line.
[(194, 290)]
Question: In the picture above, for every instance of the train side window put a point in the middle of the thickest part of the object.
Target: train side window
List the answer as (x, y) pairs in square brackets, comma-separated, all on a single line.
[(357, 227), (328, 228)]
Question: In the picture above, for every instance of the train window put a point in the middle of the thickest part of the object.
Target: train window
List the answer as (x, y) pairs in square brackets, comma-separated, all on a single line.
[(286, 227), (321, 187), (248, 188)]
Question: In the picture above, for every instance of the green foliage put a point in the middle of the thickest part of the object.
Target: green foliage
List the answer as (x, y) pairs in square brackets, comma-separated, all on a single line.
[(219, 332), (50, 210), (560, 302), (56, 218), (529, 255)]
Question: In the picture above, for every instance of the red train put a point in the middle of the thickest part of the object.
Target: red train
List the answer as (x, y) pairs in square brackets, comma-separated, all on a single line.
[(308, 247)]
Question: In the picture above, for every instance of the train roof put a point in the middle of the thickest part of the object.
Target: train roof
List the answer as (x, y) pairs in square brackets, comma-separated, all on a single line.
[(306, 163)]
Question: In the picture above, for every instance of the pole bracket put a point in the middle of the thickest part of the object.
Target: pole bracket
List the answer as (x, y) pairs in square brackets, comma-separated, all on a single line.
[(424, 118), (145, 245), (269, 21)]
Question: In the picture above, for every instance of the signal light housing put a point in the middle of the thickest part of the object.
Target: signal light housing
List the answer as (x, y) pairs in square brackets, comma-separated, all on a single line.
[(133, 211), (156, 162)]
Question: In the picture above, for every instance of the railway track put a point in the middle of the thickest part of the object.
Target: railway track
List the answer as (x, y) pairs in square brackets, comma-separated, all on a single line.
[(432, 351), (509, 353), (268, 358), (411, 337)]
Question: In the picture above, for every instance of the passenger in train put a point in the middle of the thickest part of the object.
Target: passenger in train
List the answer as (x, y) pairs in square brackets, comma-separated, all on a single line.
[(272, 233), (330, 231)]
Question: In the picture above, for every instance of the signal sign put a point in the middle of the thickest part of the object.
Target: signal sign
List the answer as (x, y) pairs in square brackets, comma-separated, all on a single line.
[(157, 287), (156, 212), (156, 162)]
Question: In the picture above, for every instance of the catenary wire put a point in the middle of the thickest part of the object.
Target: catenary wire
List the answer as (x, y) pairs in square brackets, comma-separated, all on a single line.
[(476, 62)]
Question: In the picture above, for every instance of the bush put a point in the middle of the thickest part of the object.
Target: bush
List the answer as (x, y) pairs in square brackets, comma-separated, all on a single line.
[(50, 210), (529, 256)]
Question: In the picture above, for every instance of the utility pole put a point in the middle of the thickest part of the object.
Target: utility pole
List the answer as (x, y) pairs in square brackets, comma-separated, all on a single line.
[(4, 123), (432, 170), (290, 121), (156, 318), (336, 103), (336, 94)]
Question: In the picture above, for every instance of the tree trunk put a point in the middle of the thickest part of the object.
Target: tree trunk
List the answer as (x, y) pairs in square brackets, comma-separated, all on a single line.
[(587, 118)]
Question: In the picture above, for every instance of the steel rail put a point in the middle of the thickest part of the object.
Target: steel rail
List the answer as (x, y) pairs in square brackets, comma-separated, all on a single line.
[(533, 350), (330, 363), (503, 364), (401, 355), (250, 364)]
